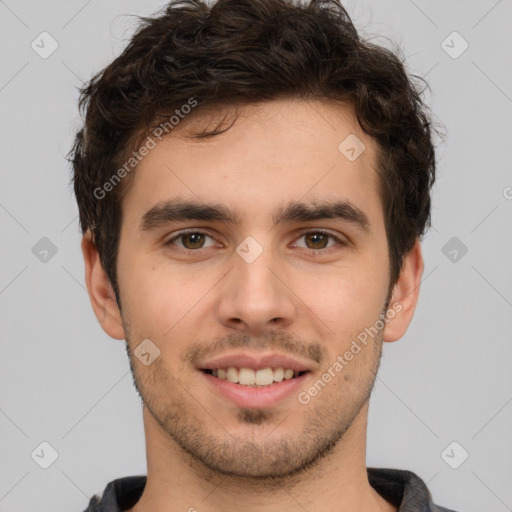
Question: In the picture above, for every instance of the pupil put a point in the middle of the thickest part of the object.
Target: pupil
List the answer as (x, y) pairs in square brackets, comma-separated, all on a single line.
[(315, 236), (196, 239)]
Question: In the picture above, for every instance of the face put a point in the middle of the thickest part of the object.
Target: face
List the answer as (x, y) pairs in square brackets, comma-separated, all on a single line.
[(280, 263)]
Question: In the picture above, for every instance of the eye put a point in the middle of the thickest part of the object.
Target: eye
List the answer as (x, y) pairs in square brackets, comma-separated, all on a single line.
[(190, 240), (194, 241), (318, 240)]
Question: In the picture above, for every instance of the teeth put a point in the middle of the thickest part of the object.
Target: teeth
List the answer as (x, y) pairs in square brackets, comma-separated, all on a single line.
[(264, 377), (246, 377), (232, 375), (278, 374), (288, 374), (249, 377)]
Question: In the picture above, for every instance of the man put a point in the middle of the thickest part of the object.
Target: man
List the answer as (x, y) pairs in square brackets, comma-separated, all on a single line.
[(253, 181)]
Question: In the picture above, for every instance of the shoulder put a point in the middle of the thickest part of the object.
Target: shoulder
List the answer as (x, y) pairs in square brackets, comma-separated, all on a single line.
[(119, 495), (404, 489)]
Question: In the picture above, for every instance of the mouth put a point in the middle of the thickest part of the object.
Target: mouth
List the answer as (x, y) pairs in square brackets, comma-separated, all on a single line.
[(250, 377)]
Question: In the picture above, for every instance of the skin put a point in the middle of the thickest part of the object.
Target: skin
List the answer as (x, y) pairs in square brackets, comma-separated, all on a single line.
[(202, 451)]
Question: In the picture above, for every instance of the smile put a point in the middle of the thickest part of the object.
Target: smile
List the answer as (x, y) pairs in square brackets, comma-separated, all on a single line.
[(254, 378)]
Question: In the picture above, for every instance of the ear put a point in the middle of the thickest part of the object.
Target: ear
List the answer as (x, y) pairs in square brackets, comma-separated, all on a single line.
[(405, 295), (100, 290)]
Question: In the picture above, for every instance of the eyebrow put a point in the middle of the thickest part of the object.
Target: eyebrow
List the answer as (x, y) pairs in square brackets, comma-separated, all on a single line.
[(176, 210)]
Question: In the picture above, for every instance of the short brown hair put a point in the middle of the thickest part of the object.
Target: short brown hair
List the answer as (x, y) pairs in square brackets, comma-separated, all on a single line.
[(239, 52)]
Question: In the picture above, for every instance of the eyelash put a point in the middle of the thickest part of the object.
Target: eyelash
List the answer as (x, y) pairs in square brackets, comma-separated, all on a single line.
[(169, 243)]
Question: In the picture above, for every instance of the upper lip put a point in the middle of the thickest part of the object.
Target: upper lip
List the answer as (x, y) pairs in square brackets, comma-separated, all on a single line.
[(256, 362)]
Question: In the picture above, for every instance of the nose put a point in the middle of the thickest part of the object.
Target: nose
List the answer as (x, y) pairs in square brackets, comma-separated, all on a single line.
[(255, 297)]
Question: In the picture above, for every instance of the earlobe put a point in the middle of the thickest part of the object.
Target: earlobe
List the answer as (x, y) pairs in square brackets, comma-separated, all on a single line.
[(405, 295), (100, 290)]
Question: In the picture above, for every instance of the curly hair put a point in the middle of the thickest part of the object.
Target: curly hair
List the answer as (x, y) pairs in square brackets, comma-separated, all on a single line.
[(240, 52)]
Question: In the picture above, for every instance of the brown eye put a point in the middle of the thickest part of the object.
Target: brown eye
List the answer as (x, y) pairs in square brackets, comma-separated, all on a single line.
[(317, 240), (192, 240)]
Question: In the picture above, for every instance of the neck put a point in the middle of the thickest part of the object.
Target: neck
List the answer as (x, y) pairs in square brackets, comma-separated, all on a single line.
[(337, 482)]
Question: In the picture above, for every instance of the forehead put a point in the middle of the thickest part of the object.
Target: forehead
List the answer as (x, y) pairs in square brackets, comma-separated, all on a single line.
[(273, 154)]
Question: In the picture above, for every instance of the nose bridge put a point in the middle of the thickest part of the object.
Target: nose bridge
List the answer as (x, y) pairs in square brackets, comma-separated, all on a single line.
[(254, 295), (255, 269)]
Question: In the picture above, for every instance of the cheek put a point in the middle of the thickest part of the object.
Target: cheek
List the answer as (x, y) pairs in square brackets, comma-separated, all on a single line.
[(345, 299), (159, 298)]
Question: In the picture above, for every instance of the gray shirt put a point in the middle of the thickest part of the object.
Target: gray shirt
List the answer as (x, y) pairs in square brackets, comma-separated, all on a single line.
[(404, 489)]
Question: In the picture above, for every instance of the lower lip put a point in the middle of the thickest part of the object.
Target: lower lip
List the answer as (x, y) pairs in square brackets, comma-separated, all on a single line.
[(264, 396)]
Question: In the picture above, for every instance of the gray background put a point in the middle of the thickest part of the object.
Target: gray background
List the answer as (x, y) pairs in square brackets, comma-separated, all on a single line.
[(65, 382)]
